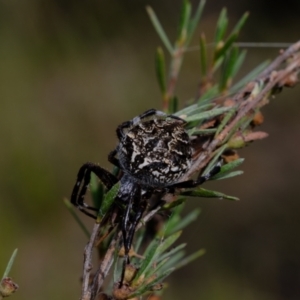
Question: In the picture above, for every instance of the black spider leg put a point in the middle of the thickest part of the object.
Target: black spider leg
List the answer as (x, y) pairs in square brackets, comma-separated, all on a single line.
[(136, 120), (83, 178), (126, 245), (135, 219), (201, 179), (128, 223), (177, 118), (112, 158), (138, 213)]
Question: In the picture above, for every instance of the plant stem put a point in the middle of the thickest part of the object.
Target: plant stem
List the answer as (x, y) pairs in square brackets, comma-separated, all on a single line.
[(272, 78), (87, 265)]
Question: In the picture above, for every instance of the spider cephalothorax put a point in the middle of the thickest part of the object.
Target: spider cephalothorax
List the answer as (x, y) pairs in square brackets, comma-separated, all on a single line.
[(154, 153)]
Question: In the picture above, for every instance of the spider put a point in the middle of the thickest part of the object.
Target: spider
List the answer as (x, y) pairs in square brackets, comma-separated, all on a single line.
[(154, 153)]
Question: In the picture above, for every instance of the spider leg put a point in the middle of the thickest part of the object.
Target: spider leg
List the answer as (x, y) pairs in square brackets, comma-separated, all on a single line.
[(201, 179), (146, 114), (177, 118), (136, 120), (127, 227), (136, 219), (125, 239), (83, 180), (112, 158), (124, 229)]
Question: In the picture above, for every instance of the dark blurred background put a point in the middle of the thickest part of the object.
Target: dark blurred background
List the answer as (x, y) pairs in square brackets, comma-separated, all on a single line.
[(71, 71)]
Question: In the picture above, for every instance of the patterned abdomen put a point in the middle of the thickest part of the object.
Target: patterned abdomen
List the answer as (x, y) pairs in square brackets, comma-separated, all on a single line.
[(156, 152)]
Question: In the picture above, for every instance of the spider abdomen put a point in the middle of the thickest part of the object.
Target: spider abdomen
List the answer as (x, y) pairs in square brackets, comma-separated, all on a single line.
[(156, 152)]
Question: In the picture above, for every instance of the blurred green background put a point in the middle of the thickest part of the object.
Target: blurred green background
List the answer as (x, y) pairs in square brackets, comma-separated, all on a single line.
[(71, 71)]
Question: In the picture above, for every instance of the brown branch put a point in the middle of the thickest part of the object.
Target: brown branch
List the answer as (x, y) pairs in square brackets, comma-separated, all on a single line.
[(90, 292), (104, 267), (282, 58), (273, 78), (87, 263)]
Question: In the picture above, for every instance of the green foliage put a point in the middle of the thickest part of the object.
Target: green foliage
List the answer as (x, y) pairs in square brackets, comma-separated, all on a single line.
[(204, 193), (158, 255), (203, 55), (226, 170), (159, 29), (71, 209), (97, 190), (161, 70), (218, 122), (107, 201), (10, 263), (207, 114)]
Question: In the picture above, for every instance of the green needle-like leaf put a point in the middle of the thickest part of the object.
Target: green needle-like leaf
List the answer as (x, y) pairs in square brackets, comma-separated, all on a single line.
[(159, 29), (173, 105), (221, 27), (238, 63), (190, 258), (160, 67), (242, 122), (139, 239), (195, 21), (186, 111), (172, 221), (184, 21), (228, 67), (173, 260), (249, 76), (226, 119), (184, 222), (174, 204), (204, 193), (165, 244), (159, 265), (201, 107), (71, 209), (108, 200), (228, 175), (230, 166), (150, 255), (116, 266), (203, 55), (10, 263), (215, 159), (222, 49), (202, 132), (97, 190), (210, 94), (220, 52), (207, 114), (146, 288), (240, 23), (171, 252)]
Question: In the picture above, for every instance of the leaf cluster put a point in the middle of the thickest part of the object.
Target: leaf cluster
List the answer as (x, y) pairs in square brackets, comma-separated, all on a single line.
[(220, 119)]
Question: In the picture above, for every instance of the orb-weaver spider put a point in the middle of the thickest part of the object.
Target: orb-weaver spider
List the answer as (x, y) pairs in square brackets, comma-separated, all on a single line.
[(154, 153)]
